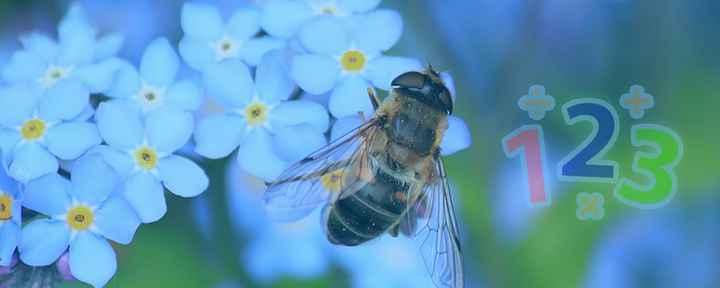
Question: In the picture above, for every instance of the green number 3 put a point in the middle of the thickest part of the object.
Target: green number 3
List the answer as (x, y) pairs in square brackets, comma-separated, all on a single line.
[(658, 166)]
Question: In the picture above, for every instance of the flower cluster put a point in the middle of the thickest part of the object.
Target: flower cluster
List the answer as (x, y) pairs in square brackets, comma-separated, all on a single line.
[(90, 142)]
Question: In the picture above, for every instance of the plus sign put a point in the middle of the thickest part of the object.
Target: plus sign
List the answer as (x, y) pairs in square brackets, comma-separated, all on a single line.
[(636, 101)]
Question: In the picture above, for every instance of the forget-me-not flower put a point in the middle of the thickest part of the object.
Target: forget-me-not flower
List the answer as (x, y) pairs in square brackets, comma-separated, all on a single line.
[(34, 131), (145, 155), (82, 217), (348, 62), (154, 85), (384, 262), (10, 215), (207, 40), (297, 250), (256, 112), (77, 54), (284, 18)]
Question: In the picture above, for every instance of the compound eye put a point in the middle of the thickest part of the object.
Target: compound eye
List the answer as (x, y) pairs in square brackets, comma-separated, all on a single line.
[(410, 79), (446, 99)]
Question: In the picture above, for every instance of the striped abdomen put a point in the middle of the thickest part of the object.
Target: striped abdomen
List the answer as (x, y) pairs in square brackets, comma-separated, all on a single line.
[(368, 213)]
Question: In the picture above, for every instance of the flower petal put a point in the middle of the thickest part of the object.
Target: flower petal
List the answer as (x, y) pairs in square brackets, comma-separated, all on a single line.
[(76, 48), (219, 134), (92, 179), (378, 31), (49, 194), (186, 94), (122, 162), (456, 138), (197, 54), (41, 44), (271, 79), (201, 21), (295, 142), (300, 111), (98, 77), (30, 161), (168, 128), (10, 232), (350, 96), (356, 6), (447, 78), (119, 125), (146, 195), (75, 21), (127, 81), (64, 100), (92, 259), (42, 242), (8, 141), (109, 45), (344, 125), (382, 70), (159, 63), (69, 140), (254, 48), (313, 73), (24, 66), (86, 113), (283, 18), (257, 156), (229, 83), (116, 220), (18, 102), (244, 23), (182, 176), (325, 35)]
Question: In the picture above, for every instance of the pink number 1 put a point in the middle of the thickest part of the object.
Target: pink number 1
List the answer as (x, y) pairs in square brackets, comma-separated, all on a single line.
[(534, 163)]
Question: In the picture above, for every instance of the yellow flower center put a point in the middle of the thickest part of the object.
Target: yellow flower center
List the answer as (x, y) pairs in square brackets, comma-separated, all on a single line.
[(80, 218), (353, 60), (33, 129), (333, 180), (256, 113), (5, 212), (146, 157)]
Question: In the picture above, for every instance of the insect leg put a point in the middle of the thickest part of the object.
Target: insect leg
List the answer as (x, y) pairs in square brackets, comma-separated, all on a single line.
[(375, 101)]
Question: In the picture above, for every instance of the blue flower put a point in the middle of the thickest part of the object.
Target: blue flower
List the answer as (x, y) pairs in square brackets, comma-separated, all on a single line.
[(348, 62), (77, 55), (33, 132), (145, 155), (660, 249), (82, 217), (283, 18), (155, 86), (385, 262), (208, 41), (257, 114), (10, 216), (275, 250)]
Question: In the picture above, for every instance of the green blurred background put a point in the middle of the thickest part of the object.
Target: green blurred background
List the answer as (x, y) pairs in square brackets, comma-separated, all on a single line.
[(495, 51)]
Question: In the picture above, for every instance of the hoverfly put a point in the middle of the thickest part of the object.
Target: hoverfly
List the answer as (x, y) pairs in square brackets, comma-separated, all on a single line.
[(385, 176)]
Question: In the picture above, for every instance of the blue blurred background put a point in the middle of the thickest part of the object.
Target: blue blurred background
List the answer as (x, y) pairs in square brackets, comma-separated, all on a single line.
[(495, 51)]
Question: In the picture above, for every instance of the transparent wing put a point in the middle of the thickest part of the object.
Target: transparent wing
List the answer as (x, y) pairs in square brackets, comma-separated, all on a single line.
[(334, 172), (437, 231)]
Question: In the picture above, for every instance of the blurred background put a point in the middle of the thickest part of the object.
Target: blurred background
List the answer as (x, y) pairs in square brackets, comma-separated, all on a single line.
[(495, 51)]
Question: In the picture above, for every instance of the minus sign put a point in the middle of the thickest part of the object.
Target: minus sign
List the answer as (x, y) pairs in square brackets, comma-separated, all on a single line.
[(536, 102)]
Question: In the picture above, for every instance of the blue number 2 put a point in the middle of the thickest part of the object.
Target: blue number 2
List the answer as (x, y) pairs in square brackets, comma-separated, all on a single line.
[(583, 163)]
